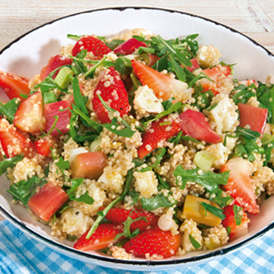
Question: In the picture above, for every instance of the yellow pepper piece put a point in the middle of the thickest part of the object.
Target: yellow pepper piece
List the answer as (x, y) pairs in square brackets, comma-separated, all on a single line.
[(195, 211)]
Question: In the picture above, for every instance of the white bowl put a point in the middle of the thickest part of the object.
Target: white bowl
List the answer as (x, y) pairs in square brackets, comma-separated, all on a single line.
[(26, 55)]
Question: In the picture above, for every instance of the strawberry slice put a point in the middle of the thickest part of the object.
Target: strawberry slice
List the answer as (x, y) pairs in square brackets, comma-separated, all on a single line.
[(193, 123), (54, 62), (129, 46), (218, 74), (14, 85), (159, 131), (45, 144), (163, 85), (236, 231), (119, 215), (103, 236), (29, 115), (254, 117), (239, 184), (194, 66), (113, 92), (13, 142), (154, 242), (91, 44)]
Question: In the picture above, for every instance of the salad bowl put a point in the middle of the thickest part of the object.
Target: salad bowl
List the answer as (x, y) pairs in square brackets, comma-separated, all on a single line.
[(27, 54)]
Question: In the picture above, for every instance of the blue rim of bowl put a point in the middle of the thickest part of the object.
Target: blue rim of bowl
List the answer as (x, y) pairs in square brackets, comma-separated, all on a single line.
[(200, 258)]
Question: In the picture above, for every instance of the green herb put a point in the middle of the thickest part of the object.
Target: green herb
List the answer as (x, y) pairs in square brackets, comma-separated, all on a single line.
[(177, 69), (194, 243), (161, 64), (244, 93), (163, 183), (228, 230), (237, 210), (159, 200), (90, 73), (214, 210), (123, 65), (134, 196), (114, 43), (62, 165), (190, 139), (158, 154), (74, 36), (209, 180), (9, 162), (23, 190), (9, 109), (103, 213), (173, 108), (176, 139)]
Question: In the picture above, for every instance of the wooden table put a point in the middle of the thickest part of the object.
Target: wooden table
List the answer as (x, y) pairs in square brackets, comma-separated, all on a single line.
[(255, 18)]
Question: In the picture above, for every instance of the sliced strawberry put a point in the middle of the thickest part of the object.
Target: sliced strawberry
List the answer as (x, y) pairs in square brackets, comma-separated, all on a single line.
[(254, 117), (13, 142), (91, 44), (112, 90), (45, 144), (29, 115), (119, 215), (60, 109), (129, 46), (194, 66), (47, 201), (229, 222), (14, 85), (159, 131), (54, 62), (239, 184), (163, 85), (103, 236), (154, 241), (193, 123), (218, 74)]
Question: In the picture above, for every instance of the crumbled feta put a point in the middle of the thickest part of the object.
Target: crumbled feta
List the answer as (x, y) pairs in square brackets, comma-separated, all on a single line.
[(146, 183), (223, 117), (208, 56), (146, 99), (220, 152)]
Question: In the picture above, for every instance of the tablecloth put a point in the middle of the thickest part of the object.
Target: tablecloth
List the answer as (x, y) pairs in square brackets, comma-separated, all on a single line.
[(19, 253)]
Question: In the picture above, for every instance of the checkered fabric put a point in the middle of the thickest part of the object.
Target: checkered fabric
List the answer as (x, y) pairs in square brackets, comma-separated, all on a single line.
[(21, 254)]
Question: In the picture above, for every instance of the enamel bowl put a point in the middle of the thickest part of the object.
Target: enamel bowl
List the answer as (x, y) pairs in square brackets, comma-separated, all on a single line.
[(30, 52)]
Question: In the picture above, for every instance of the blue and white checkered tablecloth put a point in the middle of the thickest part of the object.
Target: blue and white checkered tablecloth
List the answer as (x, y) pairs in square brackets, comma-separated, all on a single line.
[(21, 254)]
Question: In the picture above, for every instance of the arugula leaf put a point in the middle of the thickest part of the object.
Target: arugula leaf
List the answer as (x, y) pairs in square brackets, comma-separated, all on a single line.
[(158, 154), (189, 138), (84, 198), (114, 43), (208, 179), (9, 162), (63, 165), (23, 190), (237, 210), (214, 210), (161, 64), (159, 200), (245, 92), (162, 182), (194, 243), (74, 36), (202, 99), (134, 195), (9, 109), (173, 108), (178, 70), (191, 43), (176, 139)]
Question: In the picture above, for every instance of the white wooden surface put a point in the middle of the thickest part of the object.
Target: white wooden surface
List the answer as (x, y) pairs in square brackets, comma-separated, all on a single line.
[(255, 18)]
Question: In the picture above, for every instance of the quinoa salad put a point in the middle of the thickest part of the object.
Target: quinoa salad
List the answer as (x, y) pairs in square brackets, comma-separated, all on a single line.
[(138, 146)]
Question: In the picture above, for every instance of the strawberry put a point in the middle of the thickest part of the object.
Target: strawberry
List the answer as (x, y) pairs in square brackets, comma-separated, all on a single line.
[(254, 117), (193, 123), (218, 74), (43, 145), (13, 142), (154, 241), (29, 115), (163, 85), (129, 46), (119, 215), (54, 62), (14, 85), (239, 184), (229, 222), (91, 44), (194, 66), (103, 236), (159, 131), (113, 92)]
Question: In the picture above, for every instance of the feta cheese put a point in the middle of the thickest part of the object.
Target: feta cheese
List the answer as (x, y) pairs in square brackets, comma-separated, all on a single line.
[(146, 99), (220, 152), (208, 56), (223, 117), (146, 183)]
